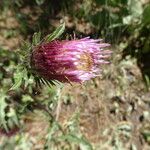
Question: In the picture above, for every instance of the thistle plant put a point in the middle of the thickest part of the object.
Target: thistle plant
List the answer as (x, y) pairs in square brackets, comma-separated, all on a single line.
[(49, 61)]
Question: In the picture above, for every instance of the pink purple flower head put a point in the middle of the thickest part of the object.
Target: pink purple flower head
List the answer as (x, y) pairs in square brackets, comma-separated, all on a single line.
[(70, 61)]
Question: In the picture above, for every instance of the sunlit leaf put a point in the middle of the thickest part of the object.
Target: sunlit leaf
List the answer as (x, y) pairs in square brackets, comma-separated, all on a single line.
[(18, 77), (135, 7), (27, 98), (36, 38), (13, 119), (59, 30)]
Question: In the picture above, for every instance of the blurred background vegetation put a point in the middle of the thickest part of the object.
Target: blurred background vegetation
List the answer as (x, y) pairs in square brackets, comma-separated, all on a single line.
[(65, 117)]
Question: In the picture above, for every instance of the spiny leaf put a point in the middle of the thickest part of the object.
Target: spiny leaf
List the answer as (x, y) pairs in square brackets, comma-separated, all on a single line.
[(18, 77), (52, 82), (48, 83), (41, 81), (36, 38), (40, 2), (59, 30), (26, 46)]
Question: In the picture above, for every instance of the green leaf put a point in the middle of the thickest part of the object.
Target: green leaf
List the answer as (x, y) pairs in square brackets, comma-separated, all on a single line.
[(51, 131), (24, 50), (59, 30), (147, 79), (3, 106), (27, 98), (146, 15), (13, 119), (84, 144), (18, 77), (135, 8), (40, 2), (127, 20), (36, 38)]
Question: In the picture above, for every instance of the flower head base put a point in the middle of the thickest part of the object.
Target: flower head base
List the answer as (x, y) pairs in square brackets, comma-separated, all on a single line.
[(69, 61)]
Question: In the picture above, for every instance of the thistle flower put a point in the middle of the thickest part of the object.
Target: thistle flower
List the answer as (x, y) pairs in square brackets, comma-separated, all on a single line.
[(69, 61)]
